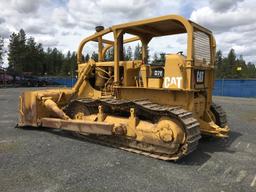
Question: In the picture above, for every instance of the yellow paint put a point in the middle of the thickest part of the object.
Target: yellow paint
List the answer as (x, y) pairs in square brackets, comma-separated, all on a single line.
[(133, 80)]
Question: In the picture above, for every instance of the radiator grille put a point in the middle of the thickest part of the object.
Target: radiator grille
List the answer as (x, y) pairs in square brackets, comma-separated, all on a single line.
[(202, 48)]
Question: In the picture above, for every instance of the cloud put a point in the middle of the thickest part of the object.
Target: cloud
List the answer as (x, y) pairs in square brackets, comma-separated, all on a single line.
[(26, 6), (65, 33), (40, 28), (223, 5), (233, 23), (48, 41), (4, 32), (62, 18), (223, 21), (64, 23), (88, 14), (19, 13), (73, 33), (130, 9), (2, 20)]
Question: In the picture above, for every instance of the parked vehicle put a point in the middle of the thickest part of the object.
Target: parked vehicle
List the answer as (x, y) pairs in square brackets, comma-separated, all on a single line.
[(159, 110)]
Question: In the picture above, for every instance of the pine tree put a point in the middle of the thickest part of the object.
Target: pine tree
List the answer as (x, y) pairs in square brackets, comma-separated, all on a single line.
[(109, 56), (31, 59), (128, 54), (1, 50), (66, 67), (233, 67), (155, 59), (219, 64), (69, 64), (231, 64), (40, 59), (73, 63), (87, 57), (22, 48), (13, 55), (94, 56), (48, 62), (17, 52), (240, 68), (137, 52), (57, 59), (251, 70)]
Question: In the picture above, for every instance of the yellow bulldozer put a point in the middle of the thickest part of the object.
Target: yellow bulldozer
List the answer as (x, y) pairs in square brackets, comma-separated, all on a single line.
[(158, 110)]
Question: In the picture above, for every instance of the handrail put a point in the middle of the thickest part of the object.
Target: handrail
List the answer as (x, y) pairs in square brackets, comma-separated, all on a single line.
[(90, 38)]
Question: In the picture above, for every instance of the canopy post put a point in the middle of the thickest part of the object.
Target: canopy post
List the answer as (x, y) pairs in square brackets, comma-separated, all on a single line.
[(100, 49), (145, 40), (118, 35)]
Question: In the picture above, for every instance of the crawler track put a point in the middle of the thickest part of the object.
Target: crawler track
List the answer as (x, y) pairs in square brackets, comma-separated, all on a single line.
[(220, 115), (145, 110)]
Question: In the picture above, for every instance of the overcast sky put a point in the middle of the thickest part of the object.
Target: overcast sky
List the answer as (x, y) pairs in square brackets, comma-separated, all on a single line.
[(64, 23)]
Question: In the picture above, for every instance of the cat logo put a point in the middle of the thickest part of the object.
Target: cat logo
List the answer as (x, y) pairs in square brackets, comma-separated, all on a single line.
[(169, 81), (199, 75)]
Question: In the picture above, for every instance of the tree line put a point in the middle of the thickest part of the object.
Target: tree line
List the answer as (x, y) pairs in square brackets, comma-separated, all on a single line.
[(233, 66), (25, 55)]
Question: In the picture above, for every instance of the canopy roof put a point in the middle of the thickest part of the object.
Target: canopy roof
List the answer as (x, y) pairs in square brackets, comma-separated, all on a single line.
[(160, 26), (154, 27)]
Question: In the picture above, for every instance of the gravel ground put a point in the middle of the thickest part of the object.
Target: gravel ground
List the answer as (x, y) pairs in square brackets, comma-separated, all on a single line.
[(43, 160)]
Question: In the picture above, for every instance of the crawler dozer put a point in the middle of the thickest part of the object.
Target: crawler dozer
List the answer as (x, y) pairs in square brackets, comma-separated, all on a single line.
[(157, 109)]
